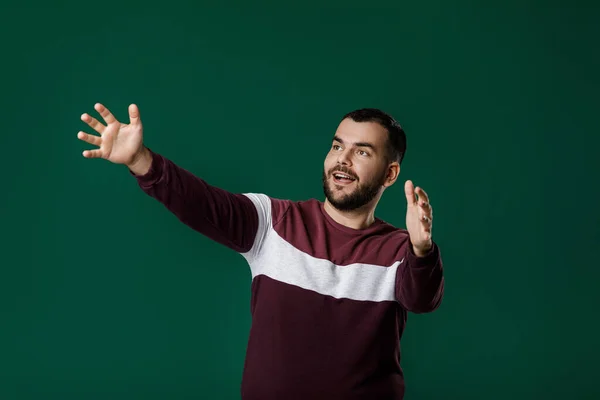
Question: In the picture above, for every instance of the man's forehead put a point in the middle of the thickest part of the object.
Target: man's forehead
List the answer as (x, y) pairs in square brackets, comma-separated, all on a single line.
[(350, 132)]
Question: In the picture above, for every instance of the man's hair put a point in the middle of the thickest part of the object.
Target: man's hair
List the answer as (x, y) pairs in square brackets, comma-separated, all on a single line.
[(396, 135)]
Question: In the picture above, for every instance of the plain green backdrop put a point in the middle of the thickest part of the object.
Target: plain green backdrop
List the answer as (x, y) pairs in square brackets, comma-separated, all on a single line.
[(106, 295)]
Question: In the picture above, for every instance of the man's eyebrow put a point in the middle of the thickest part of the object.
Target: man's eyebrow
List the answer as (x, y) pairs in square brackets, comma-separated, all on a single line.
[(358, 144), (364, 144)]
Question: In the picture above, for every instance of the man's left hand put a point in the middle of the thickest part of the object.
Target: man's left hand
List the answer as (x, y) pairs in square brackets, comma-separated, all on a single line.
[(419, 218)]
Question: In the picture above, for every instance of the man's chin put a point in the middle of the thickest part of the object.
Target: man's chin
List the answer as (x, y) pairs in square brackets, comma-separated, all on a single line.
[(341, 192), (340, 196)]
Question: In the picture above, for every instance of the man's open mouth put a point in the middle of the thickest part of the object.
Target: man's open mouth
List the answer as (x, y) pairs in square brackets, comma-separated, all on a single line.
[(341, 178)]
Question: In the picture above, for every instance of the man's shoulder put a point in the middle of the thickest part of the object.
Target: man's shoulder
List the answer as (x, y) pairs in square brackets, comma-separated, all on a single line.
[(296, 209), (390, 228), (279, 207)]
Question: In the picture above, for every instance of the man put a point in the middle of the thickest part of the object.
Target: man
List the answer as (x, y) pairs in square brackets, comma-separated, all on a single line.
[(331, 283)]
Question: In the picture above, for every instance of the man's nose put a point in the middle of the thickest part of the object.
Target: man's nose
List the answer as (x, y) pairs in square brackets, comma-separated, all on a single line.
[(344, 158)]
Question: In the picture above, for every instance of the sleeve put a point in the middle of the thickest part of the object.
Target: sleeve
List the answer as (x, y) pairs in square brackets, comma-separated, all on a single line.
[(264, 208), (227, 218), (420, 280)]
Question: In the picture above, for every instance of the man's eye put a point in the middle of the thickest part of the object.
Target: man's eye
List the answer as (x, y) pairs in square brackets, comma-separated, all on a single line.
[(363, 153), (336, 147)]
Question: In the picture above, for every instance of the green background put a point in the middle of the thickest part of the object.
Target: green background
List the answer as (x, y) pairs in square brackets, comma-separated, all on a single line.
[(104, 294)]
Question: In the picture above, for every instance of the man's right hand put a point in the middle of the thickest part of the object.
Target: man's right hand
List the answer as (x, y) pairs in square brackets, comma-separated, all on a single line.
[(118, 143)]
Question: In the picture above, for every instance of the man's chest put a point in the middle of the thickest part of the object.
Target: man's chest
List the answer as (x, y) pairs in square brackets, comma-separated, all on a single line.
[(341, 270)]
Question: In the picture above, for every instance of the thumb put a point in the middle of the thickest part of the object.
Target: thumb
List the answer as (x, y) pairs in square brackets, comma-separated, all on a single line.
[(409, 190), (134, 114)]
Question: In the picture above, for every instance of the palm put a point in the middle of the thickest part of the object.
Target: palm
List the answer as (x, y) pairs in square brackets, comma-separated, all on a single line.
[(118, 142), (419, 216), (413, 222)]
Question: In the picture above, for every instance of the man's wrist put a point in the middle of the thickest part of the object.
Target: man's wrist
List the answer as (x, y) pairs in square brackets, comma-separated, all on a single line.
[(141, 163), (422, 251)]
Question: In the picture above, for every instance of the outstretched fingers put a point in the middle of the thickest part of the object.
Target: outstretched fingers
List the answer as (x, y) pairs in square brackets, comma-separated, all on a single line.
[(423, 198), (409, 191), (92, 153), (93, 123), (425, 210), (426, 221), (134, 114), (91, 139), (107, 115)]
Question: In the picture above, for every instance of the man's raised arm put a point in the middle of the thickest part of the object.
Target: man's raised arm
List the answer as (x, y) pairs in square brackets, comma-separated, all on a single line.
[(230, 219)]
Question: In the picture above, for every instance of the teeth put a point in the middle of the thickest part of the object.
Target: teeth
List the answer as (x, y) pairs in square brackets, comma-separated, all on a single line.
[(342, 176)]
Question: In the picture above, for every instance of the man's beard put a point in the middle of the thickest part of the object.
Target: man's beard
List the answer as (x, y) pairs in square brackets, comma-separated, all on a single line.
[(362, 194)]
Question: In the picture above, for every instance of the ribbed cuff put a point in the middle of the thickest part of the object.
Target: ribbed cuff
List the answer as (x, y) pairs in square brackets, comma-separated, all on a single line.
[(428, 260), (154, 173)]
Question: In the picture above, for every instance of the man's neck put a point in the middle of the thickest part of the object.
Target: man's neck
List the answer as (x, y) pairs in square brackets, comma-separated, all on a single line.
[(357, 219)]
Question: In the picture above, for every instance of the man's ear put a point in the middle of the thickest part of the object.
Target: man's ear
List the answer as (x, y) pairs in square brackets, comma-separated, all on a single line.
[(393, 172)]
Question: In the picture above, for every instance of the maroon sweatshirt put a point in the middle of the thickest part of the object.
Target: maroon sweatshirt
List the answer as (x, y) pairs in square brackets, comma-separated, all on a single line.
[(329, 303)]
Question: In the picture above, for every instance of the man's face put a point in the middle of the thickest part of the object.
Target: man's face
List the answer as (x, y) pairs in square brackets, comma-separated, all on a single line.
[(356, 166)]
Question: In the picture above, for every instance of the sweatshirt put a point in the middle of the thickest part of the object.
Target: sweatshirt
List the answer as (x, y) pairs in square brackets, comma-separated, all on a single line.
[(328, 303)]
